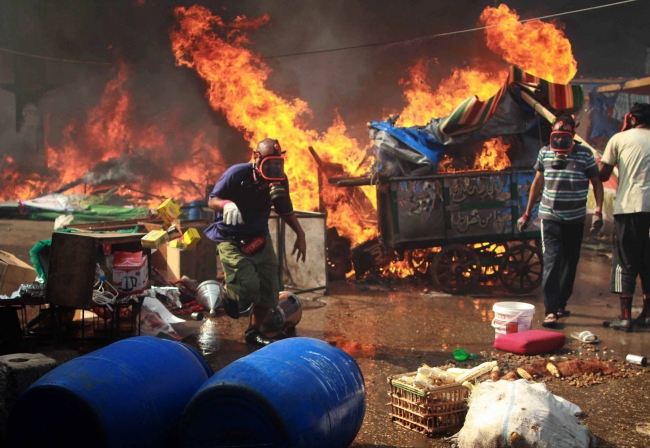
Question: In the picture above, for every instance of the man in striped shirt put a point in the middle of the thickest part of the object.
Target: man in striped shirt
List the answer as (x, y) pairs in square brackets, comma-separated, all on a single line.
[(564, 170)]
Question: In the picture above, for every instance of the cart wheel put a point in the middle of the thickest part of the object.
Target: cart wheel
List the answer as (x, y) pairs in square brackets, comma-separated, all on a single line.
[(420, 261), (521, 268), (456, 269)]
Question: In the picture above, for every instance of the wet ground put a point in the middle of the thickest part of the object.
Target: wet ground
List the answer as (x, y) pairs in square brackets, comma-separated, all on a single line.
[(394, 328)]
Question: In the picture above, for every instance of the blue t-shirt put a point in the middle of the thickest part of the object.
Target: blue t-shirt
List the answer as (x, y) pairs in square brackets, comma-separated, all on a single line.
[(238, 185)]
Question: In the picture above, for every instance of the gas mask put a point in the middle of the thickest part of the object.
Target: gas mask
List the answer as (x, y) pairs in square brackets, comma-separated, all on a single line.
[(271, 169), (561, 143)]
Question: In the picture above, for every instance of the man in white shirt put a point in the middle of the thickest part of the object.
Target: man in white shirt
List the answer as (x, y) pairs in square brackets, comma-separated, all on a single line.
[(630, 150)]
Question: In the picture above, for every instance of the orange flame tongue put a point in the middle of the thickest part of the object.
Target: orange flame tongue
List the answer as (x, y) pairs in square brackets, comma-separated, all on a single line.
[(494, 156), (537, 47), (236, 86)]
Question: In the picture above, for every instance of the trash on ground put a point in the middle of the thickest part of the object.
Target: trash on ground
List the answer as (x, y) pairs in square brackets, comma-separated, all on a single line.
[(586, 337)]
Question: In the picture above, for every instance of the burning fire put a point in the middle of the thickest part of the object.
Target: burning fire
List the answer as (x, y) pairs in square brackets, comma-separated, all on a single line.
[(537, 47), (111, 147), (494, 156), (424, 103), (236, 80)]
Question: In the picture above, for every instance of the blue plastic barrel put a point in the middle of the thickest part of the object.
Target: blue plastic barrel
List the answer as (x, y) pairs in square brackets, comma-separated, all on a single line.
[(297, 392), (195, 209), (129, 394)]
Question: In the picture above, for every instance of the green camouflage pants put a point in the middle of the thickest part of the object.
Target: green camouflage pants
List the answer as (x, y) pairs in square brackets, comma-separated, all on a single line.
[(254, 278)]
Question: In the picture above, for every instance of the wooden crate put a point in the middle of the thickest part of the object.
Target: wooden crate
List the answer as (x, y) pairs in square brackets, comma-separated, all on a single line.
[(428, 412)]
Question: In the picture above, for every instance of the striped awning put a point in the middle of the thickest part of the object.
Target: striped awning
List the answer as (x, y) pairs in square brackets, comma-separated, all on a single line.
[(472, 113)]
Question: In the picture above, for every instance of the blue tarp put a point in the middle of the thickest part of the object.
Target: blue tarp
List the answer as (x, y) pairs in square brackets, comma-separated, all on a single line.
[(600, 107), (419, 140)]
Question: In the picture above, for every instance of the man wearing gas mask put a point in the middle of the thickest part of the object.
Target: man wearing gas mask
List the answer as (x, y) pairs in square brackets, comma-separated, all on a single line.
[(242, 200), (630, 150), (564, 170)]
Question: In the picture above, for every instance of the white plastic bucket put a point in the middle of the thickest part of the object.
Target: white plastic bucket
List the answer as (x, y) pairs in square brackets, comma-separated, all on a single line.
[(512, 317)]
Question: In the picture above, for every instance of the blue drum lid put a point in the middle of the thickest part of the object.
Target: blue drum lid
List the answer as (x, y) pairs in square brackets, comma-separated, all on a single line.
[(53, 417), (228, 417)]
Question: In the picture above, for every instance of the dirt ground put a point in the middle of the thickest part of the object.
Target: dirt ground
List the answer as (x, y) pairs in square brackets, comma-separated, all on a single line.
[(395, 327)]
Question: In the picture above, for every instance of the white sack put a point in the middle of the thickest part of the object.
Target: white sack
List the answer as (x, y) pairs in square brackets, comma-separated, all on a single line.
[(520, 414)]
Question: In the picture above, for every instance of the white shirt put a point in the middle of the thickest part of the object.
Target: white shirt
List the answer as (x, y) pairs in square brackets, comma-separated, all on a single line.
[(630, 150)]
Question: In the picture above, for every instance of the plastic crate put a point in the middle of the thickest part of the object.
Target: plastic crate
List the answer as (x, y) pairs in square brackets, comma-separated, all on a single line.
[(428, 412)]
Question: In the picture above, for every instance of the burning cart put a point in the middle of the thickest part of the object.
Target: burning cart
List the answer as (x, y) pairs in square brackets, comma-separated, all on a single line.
[(471, 217)]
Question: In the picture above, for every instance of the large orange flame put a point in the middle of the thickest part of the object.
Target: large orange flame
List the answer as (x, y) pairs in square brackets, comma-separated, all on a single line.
[(236, 80), (537, 47), (425, 103)]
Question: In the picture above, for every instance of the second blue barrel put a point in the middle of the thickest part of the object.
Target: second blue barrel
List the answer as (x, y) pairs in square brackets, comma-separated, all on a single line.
[(129, 394), (294, 393)]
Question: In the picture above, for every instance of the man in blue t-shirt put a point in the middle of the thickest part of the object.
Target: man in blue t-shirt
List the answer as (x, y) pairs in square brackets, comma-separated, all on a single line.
[(242, 200), (564, 170)]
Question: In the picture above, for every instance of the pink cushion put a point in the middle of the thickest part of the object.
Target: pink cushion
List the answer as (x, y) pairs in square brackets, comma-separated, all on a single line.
[(531, 342)]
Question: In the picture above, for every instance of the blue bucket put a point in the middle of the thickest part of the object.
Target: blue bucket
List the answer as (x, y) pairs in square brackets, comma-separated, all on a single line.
[(129, 394), (297, 392)]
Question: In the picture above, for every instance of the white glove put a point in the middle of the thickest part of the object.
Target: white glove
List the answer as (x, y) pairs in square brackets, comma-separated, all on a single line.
[(231, 214), (523, 222)]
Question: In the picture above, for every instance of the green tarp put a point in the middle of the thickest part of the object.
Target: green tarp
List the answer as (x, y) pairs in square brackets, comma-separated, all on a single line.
[(95, 213)]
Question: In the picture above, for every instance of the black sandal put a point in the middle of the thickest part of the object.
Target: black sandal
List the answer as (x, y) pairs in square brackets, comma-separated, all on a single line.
[(550, 321)]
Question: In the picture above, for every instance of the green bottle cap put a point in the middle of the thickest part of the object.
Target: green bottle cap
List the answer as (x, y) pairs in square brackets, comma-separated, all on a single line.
[(460, 354)]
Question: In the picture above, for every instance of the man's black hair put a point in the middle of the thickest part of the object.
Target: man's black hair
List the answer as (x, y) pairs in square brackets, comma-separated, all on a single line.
[(641, 111), (565, 119)]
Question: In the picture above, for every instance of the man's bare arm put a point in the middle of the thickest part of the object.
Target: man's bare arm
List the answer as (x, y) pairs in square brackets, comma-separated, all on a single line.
[(301, 243), (605, 171), (217, 204), (535, 190), (598, 192)]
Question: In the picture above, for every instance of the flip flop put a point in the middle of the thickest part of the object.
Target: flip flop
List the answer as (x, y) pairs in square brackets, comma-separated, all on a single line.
[(643, 428), (550, 321), (586, 337)]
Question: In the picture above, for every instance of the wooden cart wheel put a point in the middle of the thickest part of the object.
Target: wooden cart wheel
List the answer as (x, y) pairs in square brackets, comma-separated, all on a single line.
[(521, 268), (456, 269), (420, 261)]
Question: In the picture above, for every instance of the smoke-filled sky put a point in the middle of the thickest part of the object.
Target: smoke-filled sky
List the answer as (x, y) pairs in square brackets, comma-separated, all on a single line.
[(362, 84)]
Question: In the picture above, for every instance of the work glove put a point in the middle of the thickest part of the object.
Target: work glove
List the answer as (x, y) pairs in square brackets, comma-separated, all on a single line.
[(523, 222), (596, 222), (231, 214)]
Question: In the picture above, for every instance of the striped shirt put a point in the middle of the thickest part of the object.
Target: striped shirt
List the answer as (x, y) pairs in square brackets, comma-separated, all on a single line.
[(564, 197)]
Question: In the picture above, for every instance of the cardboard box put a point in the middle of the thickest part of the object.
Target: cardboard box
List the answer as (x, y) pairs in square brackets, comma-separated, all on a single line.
[(154, 239), (188, 241), (168, 211), (13, 273), (130, 272)]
